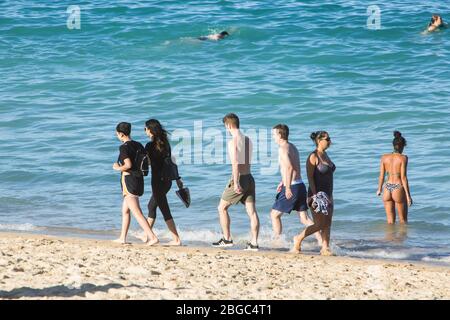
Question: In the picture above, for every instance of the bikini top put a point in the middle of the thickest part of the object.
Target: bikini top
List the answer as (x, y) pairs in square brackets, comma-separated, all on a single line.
[(393, 174), (324, 167), (398, 174)]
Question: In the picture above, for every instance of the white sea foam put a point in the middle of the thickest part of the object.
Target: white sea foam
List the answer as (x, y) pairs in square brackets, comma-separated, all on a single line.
[(445, 260), (205, 237), (373, 253), (19, 227)]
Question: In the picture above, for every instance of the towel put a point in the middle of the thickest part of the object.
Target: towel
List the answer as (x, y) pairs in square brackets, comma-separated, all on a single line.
[(320, 203)]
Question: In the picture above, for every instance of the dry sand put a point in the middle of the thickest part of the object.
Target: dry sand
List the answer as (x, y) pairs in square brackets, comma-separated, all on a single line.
[(44, 267)]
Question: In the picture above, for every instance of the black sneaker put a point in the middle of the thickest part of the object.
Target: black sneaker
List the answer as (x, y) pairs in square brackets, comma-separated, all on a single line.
[(223, 243), (251, 247)]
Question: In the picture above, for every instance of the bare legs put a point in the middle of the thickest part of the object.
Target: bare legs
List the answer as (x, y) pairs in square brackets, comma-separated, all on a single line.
[(395, 201), (131, 203), (305, 220), (172, 228), (277, 226), (389, 206), (225, 220), (321, 223), (254, 221), (125, 223), (401, 206), (326, 232)]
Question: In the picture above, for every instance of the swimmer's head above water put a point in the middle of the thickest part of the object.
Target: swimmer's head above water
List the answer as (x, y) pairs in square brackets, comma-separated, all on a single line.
[(436, 23), (217, 36)]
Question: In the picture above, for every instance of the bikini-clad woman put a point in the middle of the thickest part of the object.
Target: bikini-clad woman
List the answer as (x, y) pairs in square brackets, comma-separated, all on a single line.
[(396, 195)]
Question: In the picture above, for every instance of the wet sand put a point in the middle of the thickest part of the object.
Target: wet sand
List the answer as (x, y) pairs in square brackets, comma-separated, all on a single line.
[(45, 267)]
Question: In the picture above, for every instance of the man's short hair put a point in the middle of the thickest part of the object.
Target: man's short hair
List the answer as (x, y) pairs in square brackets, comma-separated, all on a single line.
[(231, 119), (283, 130), (124, 127)]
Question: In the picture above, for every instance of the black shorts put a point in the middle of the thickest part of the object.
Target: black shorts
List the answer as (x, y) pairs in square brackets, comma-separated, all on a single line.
[(132, 185)]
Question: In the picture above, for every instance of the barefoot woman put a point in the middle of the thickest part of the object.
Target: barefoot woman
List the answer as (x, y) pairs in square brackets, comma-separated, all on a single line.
[(396, 196), (132, 184), (320, 170), (158, 149)]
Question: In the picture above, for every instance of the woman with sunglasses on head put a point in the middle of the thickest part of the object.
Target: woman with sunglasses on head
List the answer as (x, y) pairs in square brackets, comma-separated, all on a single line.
[(320, 169), (396, 194)]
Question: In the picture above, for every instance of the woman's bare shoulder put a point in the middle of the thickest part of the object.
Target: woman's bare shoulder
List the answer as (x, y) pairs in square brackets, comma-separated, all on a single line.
[(312, 156)]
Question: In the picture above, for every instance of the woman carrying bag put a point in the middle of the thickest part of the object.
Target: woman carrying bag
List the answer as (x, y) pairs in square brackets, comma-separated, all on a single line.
[(163, 172)]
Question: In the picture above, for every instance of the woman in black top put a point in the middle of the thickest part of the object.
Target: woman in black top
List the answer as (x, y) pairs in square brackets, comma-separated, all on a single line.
[(320, 171), (132, 184), (159, 149)]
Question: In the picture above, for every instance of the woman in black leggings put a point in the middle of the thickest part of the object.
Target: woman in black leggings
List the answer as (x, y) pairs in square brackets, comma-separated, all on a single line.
[(159, 149), (320, 170)]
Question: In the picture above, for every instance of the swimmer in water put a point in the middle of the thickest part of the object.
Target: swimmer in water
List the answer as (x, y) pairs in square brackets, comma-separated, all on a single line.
[(436, 23), (215, 37)]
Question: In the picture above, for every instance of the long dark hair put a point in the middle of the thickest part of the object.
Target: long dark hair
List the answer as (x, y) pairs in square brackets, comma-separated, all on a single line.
[(160, 135)]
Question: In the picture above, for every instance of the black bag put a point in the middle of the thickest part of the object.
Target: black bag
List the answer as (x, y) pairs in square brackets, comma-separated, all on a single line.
[(141, 163), (169, 169)]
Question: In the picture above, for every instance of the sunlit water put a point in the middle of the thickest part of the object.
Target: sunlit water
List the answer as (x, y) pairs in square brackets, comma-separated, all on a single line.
[(312, 65)]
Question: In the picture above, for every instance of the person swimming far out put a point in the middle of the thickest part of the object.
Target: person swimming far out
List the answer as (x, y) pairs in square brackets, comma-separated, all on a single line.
[(215, 37), (436, 23)]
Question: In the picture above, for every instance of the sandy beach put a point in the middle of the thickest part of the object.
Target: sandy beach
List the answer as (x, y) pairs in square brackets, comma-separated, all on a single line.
[(45, 267)]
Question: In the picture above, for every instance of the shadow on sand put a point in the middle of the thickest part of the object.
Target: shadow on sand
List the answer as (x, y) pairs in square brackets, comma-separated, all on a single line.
[(58, 291)]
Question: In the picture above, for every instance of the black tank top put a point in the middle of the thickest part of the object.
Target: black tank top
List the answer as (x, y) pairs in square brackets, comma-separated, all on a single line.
[(323, 176)]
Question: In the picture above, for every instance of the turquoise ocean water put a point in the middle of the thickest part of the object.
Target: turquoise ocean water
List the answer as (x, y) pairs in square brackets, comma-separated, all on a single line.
[(312, 65)]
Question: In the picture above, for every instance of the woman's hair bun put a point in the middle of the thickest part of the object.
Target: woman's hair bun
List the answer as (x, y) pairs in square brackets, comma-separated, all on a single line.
[(397, 134), (313, 136)]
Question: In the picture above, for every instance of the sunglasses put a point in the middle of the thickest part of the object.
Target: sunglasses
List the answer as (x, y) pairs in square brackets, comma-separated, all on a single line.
[(328, 139)]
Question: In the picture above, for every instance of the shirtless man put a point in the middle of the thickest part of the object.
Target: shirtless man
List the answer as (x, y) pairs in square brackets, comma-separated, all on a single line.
[(291, 192), (396, 193), (241, 187)]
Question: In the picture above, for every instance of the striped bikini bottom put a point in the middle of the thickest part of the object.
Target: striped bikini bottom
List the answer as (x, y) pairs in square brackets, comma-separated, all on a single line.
[(392, 186)]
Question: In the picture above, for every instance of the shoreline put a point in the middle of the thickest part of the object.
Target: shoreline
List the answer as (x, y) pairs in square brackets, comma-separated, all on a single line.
[(101, 236), (48, 267)]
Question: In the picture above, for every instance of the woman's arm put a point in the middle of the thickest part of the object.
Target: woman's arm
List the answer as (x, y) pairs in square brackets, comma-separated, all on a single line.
[(310, 165), (404, 177), (381, 177)]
